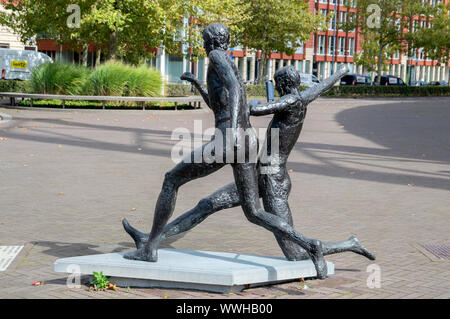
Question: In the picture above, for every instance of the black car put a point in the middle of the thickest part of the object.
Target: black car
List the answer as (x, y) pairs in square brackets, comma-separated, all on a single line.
[(441, 83), (355, 79), (389, 80)]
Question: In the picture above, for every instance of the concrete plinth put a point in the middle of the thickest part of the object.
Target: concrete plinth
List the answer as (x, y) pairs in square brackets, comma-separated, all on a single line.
[(192, 269)]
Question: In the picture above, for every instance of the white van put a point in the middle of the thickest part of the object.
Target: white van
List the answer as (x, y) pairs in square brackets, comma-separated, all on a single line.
[(18, 64), (308, 80)]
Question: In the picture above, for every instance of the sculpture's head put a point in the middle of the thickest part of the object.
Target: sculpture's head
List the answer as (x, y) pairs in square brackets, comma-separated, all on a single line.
[(216, 36), (287, 79)]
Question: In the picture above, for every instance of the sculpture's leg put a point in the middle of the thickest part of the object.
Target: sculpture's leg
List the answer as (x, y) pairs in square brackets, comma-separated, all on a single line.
[(185, 171), (275, 189), (246, 179), (225, 197), (352, 244)]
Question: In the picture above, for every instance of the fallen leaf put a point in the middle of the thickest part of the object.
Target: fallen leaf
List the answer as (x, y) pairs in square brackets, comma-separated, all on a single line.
[(59, 146), (31, 155), (38, 283), (290, 171), (61, 193), (133, 209), (3, 139), (150, 117), (25, 165), (411, 185), (342, 126), (139, 149)]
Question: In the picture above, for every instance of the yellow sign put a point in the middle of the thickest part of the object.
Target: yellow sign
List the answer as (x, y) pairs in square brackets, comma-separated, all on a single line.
[(19, 64)]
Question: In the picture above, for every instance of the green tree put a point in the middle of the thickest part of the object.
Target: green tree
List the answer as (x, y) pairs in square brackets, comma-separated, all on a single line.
[(380, 24), (273, 26), (124, 28), (194, 15), (435, 38)]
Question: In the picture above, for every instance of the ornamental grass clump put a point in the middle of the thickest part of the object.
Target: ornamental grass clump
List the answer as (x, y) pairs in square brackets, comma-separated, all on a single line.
[(58, 78)]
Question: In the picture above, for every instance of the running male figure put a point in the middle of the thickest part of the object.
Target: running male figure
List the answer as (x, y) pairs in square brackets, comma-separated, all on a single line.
[(274, 185), (227, 98)]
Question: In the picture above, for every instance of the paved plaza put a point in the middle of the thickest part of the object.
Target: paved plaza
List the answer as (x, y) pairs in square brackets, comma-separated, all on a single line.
[(375, 168)]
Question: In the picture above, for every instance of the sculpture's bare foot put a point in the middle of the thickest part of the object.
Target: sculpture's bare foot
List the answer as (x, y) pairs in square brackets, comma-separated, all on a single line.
[(143, 255), (140, 239), (316, 254), (358, 248)]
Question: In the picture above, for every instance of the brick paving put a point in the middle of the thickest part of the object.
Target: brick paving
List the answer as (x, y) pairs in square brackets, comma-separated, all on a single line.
[(376, 168)]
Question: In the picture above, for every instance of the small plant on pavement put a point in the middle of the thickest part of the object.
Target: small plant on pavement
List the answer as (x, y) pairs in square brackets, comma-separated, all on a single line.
[(100, 281)]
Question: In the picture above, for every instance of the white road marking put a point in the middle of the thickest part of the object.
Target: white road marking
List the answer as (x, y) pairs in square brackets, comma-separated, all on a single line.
[(7, 255)]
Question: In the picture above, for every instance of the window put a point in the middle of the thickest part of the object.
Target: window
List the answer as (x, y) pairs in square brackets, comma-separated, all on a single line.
[(300, 49), (307, 66), (4, 45), (331, 41), (323, 12), (351, 46), (332, 24), (321, 47), (341, 46), (342, 18)]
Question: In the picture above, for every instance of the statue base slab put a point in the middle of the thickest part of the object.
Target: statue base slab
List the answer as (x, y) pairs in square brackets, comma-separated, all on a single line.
[(193, 269)]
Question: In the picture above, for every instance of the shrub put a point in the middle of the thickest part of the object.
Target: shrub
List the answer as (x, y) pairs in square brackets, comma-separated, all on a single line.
[(107, 79), (144, 81), (117, 79), (179, 90), (58, 78), (13, 86)]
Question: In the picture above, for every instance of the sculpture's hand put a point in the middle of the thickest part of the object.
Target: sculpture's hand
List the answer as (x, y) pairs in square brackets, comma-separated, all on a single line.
[(254, 103), (188, 76)]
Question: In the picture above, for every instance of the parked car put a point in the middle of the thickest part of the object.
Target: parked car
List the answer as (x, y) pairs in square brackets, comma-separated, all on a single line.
[(18, 64), (418, 83), (441, 83), (355, 79), (389, 80), (308, 79)]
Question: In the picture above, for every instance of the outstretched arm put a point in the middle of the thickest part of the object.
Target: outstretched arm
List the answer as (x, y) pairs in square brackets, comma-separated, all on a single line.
[(273, 107), (314, 92), (188, 76)]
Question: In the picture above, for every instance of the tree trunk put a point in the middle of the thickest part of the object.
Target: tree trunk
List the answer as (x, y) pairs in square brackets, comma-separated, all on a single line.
[(98, 56), (380, 64), (262, 67), (112, 52), (84, 57)]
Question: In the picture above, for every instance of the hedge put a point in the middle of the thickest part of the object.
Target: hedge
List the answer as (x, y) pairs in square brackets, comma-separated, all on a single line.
[(260, 90), (13, 86), (174, 90), (387, 91)]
